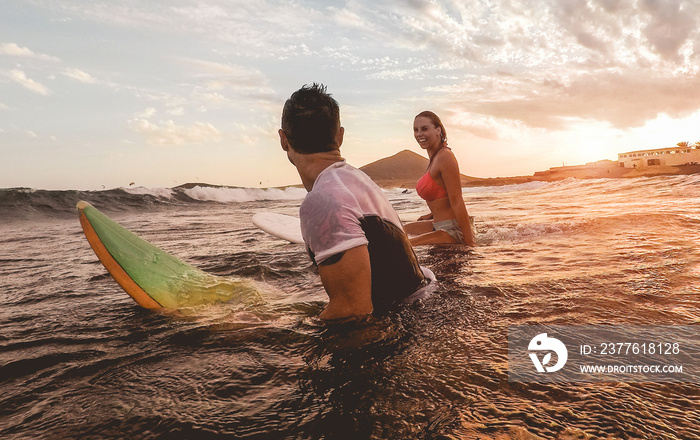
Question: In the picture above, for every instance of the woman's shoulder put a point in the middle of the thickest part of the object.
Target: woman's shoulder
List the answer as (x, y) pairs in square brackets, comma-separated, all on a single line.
[(445, 157)]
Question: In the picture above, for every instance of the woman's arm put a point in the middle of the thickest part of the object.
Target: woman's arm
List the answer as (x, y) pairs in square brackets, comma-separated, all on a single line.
[(449, 170)]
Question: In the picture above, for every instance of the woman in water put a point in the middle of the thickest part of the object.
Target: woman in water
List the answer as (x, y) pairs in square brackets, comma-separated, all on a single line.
[(441, 187)]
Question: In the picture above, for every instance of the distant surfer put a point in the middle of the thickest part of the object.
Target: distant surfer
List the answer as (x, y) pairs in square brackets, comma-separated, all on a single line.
[(441, 187), (351, 231)]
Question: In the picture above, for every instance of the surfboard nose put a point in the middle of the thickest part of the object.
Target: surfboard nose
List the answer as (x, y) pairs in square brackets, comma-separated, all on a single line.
[(82, 205)]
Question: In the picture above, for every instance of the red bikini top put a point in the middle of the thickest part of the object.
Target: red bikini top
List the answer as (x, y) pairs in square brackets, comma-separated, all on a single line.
[(428, 189)]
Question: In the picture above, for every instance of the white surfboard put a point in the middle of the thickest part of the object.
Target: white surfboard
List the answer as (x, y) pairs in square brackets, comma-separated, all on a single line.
[(286, 227)]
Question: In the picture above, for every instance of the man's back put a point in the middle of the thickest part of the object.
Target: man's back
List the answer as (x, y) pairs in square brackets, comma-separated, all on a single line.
[(345, 209)]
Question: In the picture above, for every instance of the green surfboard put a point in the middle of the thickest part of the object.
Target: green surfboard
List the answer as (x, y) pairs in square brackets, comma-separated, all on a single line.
[(154, 278)]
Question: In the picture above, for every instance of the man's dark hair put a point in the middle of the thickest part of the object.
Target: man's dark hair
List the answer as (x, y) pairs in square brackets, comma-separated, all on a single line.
[(311, 119)]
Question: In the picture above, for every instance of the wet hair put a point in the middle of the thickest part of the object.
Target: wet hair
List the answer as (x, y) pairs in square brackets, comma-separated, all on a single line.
[(435, 119), (311, 120)]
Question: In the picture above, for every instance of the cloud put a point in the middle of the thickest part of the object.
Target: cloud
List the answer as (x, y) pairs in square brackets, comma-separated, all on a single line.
[(147, 113), (670, 26), (217, 76), (486, 127), (20, 78), (79, 76), (263, 27), (170, 134), (620, 61), (622, 100), (567, 34), (252, 134), (216, 85), (12, 49), (347, 18), (220, 69)]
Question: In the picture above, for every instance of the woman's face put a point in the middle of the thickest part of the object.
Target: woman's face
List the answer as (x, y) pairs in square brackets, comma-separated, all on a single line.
[(426, 133)]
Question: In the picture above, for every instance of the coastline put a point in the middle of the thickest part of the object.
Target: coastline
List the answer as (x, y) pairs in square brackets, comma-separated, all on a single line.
[(551, 175), (384, 172), (403, 170), (547, 176)]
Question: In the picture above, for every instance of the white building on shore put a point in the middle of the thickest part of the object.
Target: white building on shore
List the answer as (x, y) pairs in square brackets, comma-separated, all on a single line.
[(688, 155)]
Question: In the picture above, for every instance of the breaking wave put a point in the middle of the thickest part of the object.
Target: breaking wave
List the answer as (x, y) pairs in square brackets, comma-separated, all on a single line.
[(27, 203)]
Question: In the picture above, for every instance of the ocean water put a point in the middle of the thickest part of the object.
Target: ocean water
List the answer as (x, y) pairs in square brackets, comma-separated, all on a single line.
[(78, 358)]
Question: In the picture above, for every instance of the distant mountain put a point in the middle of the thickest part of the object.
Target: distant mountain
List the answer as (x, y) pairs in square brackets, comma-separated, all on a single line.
[(402, 170), (404, 165)]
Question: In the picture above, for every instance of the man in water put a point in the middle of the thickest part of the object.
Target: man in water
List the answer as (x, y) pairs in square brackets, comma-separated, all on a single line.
[(351, 231)]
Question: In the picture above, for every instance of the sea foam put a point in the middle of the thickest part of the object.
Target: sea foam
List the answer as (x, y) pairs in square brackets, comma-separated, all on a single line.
[(228, 195)]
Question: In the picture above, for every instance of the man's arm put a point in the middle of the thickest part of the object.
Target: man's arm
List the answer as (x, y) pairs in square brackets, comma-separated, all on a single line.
[(348, 283)]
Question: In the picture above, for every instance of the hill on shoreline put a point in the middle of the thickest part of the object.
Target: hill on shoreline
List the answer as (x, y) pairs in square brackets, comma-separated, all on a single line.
[(403, 169)]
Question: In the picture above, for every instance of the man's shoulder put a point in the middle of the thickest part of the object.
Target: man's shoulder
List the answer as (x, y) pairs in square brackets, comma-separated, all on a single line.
[(316, 196), (340, 168), (341, 178), (342, 187), (326, 195), (348, 178)]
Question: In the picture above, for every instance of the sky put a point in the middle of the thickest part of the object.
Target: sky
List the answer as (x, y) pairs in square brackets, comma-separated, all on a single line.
[(103, 94)]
